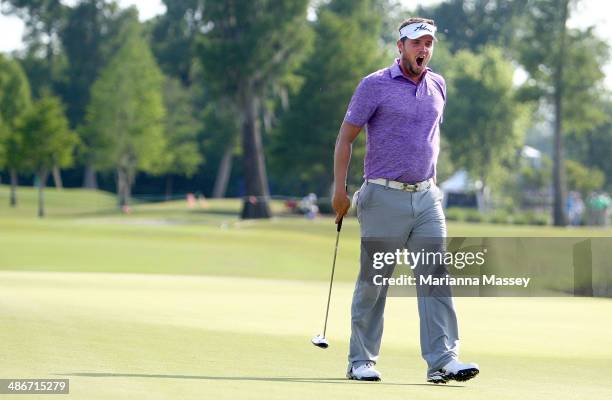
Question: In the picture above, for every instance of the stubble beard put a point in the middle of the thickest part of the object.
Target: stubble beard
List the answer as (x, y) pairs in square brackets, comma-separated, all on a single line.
[(408, 67)]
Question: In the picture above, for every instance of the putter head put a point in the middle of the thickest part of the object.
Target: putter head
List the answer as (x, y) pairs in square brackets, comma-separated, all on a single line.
[(320, 342)]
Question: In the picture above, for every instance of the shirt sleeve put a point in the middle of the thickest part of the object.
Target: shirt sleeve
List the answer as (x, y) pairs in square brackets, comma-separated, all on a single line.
[(363, 104)]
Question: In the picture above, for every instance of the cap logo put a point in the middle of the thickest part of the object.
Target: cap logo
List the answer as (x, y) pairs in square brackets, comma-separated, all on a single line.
[(422, 28)]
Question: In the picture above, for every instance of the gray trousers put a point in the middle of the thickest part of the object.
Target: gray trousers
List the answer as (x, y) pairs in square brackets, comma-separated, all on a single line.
[(401, 217)]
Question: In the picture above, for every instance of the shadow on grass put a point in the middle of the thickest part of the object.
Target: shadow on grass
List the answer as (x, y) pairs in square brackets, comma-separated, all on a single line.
[(289, 379)]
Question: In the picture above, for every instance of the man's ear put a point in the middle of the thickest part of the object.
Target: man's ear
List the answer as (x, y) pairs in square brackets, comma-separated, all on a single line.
[(400, 46)]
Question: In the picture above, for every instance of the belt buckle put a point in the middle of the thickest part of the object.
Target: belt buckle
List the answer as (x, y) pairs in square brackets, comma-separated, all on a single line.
[(408, 187)]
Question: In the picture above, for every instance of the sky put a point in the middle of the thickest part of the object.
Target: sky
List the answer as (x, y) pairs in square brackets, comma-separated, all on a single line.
[(589, 12)]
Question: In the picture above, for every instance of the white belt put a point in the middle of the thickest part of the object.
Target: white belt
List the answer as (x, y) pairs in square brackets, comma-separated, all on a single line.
[(407, 187)]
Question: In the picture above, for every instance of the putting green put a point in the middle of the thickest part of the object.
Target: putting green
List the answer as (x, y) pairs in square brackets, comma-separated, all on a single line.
[(131, 336), (172, 302)]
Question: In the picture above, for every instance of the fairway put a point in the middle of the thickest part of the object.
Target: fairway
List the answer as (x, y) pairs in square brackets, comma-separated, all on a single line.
[(162, 336), (171, 302)]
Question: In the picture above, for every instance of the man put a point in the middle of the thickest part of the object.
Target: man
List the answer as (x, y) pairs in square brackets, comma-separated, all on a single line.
[(402, 107)]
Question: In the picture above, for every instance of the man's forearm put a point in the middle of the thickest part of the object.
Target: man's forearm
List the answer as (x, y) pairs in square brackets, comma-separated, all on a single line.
[(342, 158)]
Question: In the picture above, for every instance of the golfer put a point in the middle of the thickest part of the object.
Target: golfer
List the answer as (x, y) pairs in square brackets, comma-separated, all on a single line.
[(401, 107)]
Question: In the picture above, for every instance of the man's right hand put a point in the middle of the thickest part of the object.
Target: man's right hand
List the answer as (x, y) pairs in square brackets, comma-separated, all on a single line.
[(341, 203)]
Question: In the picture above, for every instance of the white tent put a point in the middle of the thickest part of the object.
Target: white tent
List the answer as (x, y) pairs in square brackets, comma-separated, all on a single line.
[(461, 184)]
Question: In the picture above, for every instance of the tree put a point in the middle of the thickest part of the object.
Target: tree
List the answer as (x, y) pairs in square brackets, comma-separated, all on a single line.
[(3, 135), (173, 38), (47, 141), (220, 142), (87, 38), (302, 148), (14, 101), (182, 156), (593, 147), (561, 75), (125, 115), (583, 179), (483, 119), (251, 45), (43, 20), (473, 24)]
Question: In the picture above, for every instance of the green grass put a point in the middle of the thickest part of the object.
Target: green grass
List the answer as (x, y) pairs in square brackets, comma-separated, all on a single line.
[(157, 337), (173, 302), (84, 232)]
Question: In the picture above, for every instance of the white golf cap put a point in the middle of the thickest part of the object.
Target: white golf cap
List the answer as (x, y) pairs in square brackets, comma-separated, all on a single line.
[(418, 29)]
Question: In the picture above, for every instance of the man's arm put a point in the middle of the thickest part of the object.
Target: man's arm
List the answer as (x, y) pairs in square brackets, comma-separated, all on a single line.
[(342, 156)]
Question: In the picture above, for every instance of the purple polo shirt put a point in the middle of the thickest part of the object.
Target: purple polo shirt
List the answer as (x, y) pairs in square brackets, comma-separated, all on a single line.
[(402, 123)]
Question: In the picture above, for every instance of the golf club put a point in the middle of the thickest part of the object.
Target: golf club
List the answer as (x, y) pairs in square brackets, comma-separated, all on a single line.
[(321, 340)]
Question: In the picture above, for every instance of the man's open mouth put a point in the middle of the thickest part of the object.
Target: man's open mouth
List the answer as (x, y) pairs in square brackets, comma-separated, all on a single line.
[(420, 60)]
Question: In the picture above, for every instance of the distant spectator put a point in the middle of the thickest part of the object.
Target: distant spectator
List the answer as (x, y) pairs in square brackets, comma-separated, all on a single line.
[(575, 208), (291, 205), (191, 201), (309, 206), (599, 205)]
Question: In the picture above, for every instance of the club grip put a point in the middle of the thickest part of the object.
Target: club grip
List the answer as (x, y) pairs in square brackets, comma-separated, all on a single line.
[(339, 225)]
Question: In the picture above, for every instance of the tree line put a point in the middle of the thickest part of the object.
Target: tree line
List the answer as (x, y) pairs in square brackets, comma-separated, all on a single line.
[(178, 101)]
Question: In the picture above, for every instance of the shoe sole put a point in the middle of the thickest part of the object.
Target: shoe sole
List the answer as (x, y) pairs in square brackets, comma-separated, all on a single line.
[(372, 379), (461, 376), (464, 375), (438, 381)]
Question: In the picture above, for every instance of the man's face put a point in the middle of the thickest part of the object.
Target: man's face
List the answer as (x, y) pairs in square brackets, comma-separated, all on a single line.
[(416, 53)]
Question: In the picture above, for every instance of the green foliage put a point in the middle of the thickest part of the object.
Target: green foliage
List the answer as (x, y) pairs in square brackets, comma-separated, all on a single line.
[(45, 74), (14, 91), (3, 137), (251, 48), (583, 179), (536, 178), (42, 60), (483, 121), (539, 51), (474, 24), (561, 74), (220, 130), (41, 16), (472, 215), (455, 214), (251, 43), (182, 155), (87, 41), (442, 60), (302, 148), (47, 139), (583, 98), (500, 217), (496, 217), (14, 102), (173, 37), (530, 218), (125, 116), (593, 147)]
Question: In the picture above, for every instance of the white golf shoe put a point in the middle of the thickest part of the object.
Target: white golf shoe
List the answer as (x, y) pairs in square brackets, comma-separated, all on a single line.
[(454, 370), (365, 372)]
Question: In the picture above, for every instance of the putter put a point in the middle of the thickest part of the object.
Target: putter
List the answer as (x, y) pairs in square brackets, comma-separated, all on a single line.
[(320, 340)]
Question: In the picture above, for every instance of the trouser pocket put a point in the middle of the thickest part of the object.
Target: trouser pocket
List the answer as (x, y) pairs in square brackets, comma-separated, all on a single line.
[(359, 198)]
